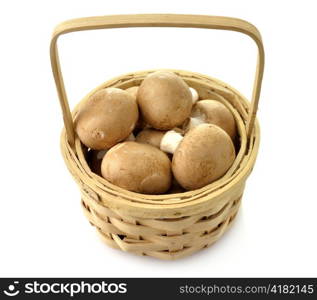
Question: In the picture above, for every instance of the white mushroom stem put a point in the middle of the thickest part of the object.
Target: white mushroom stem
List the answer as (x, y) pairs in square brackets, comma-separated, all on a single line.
[(131, 138), (195, 95), (193, 122), (170, 141)]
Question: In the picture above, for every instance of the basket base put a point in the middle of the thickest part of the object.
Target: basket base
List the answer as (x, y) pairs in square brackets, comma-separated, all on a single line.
[(193, 236)]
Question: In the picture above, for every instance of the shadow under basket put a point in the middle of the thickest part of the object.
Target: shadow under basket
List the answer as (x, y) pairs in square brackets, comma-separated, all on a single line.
[(168, 226)]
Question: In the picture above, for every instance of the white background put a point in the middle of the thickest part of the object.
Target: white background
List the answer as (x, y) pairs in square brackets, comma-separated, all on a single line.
[(42, 229)]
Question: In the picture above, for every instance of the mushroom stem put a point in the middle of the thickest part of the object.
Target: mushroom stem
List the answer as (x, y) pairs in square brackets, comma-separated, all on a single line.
[(170, 141), (195, 95), (193, 122)]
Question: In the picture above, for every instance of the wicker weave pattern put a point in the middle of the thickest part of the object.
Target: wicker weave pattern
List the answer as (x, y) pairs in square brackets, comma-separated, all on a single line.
[(160, 238), (166, 226)]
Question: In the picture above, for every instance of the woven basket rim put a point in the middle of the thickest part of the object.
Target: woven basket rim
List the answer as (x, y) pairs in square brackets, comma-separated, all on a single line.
[(122, 198)]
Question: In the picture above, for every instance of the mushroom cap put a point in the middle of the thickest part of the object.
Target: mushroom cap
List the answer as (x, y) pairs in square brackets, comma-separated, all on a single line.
[(106, 118), (214, 112), (165, 100), (150, 136), (137, 167), (204, 155), (133, 90)]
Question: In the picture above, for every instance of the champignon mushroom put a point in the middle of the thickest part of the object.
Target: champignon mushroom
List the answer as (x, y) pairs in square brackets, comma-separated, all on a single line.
[(137, 167), (133, 90), (195, 95), (108, 117), (212, 112), (167, 141), (94, 157), (204, 155), (164, 99), (150, 136)]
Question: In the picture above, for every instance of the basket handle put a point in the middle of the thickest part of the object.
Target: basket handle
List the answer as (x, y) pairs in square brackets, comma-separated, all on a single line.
[(153, 20)]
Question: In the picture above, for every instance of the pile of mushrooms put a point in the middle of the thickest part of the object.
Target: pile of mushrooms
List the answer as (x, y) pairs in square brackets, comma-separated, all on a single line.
[(157, 138)]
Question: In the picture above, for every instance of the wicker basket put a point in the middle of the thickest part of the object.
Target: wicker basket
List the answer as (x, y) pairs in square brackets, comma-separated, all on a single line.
[(174, 225)]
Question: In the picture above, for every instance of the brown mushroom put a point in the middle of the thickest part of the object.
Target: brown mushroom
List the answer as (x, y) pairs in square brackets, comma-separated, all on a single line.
[(137, 167), (164, 100), (94, 157), (167, 141), (150, 136), (212, 112), (108, 117), (204, 155)]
